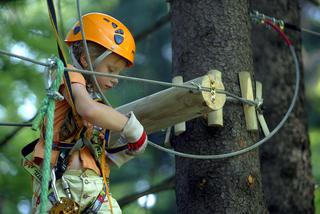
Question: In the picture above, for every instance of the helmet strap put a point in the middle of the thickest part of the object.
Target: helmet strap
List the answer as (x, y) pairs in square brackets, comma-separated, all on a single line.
[(96, 62), (101, 57)]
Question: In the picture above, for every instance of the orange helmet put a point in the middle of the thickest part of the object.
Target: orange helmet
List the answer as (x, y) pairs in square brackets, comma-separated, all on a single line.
[(106, 31)]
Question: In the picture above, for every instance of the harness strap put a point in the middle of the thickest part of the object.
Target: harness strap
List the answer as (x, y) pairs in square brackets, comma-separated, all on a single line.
[(105, 169), (27, 162), (97, 203), (62, 55), (35, 171)]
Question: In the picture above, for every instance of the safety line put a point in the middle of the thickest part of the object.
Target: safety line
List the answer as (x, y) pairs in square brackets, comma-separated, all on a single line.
[(84, 41), (24, 58), (200, 88), (265, 139)]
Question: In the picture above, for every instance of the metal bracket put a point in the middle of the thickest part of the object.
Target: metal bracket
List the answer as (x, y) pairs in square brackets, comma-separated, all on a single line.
[(213, 81)]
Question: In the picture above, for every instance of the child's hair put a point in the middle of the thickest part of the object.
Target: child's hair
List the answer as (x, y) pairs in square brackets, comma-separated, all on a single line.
[(95, 50)]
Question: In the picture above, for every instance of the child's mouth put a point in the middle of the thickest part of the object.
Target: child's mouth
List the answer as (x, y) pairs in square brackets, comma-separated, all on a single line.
[(108, 87)]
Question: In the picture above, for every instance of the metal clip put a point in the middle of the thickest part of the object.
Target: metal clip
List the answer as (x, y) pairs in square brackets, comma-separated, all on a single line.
[(66, 187), (53, 186), (55, 95), (62, 205), (50, 72), (259, 102), (199, 88), (281, 24)]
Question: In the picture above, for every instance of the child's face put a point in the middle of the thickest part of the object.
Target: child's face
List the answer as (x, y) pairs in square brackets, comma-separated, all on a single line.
[(112, 64)]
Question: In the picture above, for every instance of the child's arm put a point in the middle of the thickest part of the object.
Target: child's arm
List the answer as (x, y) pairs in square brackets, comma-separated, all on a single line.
[(107, 117), (94, 112)]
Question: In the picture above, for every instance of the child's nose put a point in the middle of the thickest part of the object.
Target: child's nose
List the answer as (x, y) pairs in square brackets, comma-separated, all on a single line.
[(114, 81)]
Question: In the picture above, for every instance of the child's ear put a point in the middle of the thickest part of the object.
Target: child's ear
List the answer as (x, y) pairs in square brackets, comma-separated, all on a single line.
[(83, 61)]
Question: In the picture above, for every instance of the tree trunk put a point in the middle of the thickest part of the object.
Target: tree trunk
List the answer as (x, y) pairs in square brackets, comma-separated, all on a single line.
[(285, 160), (215, 34)]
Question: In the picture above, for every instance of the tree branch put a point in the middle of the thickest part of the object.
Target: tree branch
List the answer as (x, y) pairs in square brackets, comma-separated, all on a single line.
[(11, 135), (162, 21), (316, 2), (163, 186)]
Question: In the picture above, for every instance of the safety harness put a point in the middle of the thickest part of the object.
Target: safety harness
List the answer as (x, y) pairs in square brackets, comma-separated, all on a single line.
[(95, 139)]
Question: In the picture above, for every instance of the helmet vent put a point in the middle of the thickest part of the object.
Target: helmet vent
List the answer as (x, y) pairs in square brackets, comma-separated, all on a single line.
[(76, 30), (120, 31), (118, 39), (114, 25)]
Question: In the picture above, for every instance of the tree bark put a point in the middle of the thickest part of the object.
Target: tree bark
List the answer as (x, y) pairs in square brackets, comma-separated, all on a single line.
[(215, 34), (285, 160)]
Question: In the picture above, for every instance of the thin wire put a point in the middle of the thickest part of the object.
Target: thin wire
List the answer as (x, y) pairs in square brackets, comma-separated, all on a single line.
[(15, 124), (259, 143), (310, 31), (156, 82), (190, 87), (274, 131), (24, 58), (84, 41), (256, 15), (241, 99), (219, 156)]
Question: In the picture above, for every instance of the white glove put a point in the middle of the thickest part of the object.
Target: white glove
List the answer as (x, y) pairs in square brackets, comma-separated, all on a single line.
[(134, 134)]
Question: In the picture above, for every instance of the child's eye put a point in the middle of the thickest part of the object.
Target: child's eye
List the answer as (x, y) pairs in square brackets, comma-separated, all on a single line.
[(110, 70)]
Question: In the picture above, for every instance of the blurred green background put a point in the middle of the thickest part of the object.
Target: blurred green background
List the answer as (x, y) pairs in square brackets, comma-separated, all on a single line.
[(26, 30)]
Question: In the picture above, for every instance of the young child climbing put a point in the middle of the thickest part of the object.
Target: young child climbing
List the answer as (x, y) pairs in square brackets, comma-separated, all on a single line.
[(82, 124)]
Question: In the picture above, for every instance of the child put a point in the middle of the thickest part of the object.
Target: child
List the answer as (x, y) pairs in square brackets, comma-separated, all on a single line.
[(79, 135)]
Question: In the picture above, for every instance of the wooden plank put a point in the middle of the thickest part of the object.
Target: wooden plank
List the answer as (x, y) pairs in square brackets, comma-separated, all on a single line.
[(167, 108), (247, 93)]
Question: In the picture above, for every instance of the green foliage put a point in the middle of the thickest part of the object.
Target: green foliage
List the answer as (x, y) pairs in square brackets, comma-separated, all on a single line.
[(26, 23), (315, 148)]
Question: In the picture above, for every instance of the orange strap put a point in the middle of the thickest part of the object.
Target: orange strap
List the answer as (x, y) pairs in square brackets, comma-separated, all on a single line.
[(106, 171)]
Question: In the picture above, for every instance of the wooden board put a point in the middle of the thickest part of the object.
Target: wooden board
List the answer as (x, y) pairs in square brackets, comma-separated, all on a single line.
[(167, 108), (247, 93)]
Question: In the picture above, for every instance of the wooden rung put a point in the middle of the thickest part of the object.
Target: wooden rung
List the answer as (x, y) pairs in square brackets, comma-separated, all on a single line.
[(262, 121), (167, 138), (247, 93), (179, 128)]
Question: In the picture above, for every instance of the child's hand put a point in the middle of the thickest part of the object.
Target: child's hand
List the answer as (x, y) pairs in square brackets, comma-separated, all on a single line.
[(135, 135)]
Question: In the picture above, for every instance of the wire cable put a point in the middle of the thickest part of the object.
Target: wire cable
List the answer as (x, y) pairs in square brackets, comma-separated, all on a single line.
[(15, 124), (192, 86), (84, 41), (24, 58), (260, 17), (276, 129), (199, 88)]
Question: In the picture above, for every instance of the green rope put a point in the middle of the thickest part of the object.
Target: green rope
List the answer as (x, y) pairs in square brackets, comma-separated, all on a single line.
[(47, 109)]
